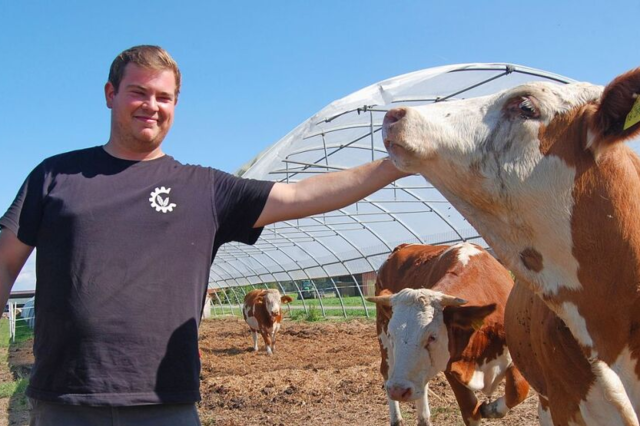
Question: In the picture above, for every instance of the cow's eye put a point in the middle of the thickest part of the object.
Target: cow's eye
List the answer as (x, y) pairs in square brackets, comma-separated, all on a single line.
[(528, 108), (430, 340)]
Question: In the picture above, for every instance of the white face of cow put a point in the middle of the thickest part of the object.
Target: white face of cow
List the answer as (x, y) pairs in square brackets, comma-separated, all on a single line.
[(487, 156), (272, 302), (416, 342)]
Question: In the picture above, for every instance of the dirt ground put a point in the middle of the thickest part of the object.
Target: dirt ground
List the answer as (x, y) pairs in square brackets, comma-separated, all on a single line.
[(322, 374)]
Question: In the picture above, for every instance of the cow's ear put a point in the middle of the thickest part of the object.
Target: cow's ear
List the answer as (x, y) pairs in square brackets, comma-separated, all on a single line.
[(286, 299), (468, 317), (618, 115)]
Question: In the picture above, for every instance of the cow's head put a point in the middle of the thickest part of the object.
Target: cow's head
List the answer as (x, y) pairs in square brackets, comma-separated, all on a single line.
[(416, 339), (273, 300), (515, 162)]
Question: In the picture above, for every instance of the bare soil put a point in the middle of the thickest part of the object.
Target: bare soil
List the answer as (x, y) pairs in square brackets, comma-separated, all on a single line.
[(323, 373)]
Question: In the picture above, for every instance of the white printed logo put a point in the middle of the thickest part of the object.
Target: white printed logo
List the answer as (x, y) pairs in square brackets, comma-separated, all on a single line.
[(159, 203)]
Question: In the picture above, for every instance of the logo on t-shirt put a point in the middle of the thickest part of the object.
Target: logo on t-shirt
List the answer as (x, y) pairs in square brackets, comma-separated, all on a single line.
[(159, 203)]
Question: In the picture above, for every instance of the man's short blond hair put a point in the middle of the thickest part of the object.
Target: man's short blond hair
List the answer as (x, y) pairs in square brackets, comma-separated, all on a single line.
[(145, 56)]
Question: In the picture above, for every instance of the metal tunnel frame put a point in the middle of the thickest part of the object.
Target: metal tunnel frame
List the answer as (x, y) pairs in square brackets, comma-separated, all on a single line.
[(358, 238)]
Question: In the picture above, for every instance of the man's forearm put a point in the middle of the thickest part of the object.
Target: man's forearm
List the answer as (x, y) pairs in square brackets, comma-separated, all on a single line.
[(335, 190), (327, 192)]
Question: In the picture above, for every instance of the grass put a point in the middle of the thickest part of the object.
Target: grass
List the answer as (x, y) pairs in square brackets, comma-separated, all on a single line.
[(312, 315), (23, 333), (13, 388)]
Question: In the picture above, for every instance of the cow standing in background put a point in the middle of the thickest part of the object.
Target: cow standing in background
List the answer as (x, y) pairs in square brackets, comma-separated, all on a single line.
[(542, 172), (441, 308), (263, 314)]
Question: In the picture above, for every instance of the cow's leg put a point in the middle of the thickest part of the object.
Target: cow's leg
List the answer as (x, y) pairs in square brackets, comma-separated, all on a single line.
[(422, 408), (395, 417), (266, 336), (544, 414), (467, 401), (254, 336), (516, 390)]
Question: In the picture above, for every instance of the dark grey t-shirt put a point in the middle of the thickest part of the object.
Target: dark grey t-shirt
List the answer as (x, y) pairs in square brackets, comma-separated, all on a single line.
[(123, 256)]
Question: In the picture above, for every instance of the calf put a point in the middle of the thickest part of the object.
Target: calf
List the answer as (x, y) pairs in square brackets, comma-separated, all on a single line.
[(541, 171), (263, 314), (423, 329)]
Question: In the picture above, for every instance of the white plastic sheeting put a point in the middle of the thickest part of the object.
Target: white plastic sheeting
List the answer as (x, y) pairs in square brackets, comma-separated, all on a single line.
[(344, 134)]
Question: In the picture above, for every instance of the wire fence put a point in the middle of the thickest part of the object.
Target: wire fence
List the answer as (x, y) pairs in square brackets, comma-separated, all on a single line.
[(312, 298)]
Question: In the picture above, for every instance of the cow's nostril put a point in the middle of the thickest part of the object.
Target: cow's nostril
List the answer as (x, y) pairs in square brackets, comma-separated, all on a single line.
[(400, 393), (394, 115)]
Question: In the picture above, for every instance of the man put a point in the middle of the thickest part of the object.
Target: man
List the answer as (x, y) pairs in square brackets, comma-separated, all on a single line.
[(126, 236)]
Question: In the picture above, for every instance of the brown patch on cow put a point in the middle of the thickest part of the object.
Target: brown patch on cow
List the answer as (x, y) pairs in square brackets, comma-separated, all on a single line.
[(566, 135), (516, 387), (532, 259), (546, 353)]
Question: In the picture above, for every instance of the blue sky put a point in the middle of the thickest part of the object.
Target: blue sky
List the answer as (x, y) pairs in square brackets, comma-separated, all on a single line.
[(253, 70)]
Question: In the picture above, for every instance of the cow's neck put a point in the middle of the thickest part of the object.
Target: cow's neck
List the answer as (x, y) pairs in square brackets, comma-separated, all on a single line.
[(575, 247)]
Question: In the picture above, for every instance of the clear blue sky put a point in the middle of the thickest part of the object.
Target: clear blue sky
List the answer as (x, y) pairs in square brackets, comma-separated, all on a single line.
[(253, 70)]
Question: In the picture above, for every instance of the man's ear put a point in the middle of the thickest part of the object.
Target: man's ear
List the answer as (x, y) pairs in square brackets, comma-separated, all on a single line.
[(109, 93)]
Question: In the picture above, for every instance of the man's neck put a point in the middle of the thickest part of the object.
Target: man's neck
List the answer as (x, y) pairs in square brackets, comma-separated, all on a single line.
[(124, 154)]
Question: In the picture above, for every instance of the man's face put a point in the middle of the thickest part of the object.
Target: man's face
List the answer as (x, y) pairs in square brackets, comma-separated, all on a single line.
[(142, 109)]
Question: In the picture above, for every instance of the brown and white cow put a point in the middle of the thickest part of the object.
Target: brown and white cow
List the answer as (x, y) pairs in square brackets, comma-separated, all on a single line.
[(541, 171), (424, 329), (263, 313)]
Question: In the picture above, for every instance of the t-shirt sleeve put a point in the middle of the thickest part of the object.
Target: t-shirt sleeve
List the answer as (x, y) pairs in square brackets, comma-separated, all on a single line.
[(24, 215), (238, 204)]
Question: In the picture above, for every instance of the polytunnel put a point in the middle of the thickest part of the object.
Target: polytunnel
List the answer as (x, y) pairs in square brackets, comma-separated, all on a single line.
[(349, 245)]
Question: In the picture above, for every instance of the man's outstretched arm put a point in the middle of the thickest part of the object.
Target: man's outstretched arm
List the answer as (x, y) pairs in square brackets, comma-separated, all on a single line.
[(13, 256), (326, 192)]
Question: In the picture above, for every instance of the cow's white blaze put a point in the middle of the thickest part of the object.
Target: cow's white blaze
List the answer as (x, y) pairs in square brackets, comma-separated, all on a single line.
[(417, 341), (272, 301)]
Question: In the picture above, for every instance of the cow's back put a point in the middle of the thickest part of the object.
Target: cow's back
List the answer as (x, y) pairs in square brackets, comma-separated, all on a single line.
[(463, 270)]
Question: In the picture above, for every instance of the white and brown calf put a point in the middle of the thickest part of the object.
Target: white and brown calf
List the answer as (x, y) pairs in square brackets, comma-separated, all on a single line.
[(542, 172), (263, 313), (441, 309)]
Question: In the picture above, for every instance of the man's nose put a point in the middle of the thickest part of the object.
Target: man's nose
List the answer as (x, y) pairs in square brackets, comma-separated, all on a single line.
[(150, 103)]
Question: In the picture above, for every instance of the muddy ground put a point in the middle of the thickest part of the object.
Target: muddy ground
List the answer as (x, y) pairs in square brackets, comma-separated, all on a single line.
[(322, 374)]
